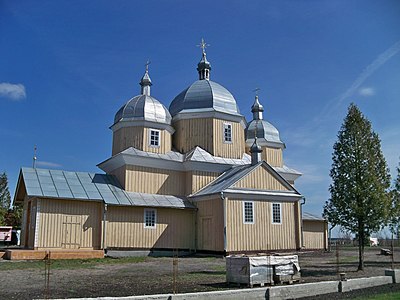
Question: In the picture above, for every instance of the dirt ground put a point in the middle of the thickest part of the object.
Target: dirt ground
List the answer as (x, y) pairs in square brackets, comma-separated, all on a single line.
[(155, 275)]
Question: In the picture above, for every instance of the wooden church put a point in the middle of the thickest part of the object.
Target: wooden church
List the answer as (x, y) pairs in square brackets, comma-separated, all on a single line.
[(194, 177)]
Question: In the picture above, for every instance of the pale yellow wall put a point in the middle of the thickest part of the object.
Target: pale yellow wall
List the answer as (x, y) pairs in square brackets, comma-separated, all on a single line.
[(315, 234), (235, 149), (69, 224), (125, 228), (153, 181), (208, 134), (195, 180), (138, 137), (262, 235), (260, 178), (273, 156), (210, 225)]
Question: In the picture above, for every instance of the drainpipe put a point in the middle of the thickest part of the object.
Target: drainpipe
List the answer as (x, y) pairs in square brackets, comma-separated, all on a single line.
[(104, 227), (224, 206), (301, 225)]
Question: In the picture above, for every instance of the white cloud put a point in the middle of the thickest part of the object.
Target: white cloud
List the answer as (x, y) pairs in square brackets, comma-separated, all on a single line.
[(366, 91), (47, 164), (12, 91)]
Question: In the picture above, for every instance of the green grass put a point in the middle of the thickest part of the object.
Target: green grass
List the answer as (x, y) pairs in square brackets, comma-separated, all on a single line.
[(62, 264), (386, 296)]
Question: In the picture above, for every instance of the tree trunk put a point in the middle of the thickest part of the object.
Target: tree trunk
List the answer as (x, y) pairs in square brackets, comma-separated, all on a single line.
[(360, 250)]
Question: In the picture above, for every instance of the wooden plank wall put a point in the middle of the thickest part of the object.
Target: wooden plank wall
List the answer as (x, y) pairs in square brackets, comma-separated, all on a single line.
[(262, 235), (154, 181), (125, 228), (210, 225), (314, 234), (69, 224), (273, 156), (235, 149), (195, 180), (138, 137), (260, 178)]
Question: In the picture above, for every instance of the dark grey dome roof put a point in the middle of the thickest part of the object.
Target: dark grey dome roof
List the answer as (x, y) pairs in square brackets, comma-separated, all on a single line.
[(145, 108), (266, 133), (205, 94)]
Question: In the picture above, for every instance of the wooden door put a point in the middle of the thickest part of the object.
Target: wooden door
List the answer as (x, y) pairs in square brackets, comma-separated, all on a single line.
[(72, 231)]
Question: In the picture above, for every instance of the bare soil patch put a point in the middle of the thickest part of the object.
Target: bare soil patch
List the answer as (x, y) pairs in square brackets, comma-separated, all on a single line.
[(116, 277)]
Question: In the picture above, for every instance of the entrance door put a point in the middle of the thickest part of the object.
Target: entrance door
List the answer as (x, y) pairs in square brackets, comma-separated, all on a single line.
[(72, 229)]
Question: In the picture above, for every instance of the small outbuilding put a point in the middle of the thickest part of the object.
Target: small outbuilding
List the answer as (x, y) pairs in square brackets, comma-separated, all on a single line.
[(315, 232)]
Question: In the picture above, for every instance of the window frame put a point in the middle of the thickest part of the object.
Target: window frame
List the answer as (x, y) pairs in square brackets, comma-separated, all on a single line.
[(252, 212), (229, 127), (272, 213), (151, 130), (150, 210)]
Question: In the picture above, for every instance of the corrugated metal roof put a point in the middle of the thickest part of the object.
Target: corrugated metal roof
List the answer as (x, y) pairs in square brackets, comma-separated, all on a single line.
[(308, 216), (91, 187)]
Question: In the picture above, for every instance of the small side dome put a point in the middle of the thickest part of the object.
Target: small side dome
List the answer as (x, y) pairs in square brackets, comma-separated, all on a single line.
[(206, 95), (266, 133), (143, 108)]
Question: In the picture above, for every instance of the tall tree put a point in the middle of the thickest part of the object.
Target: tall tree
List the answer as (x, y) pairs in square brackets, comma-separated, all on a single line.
[(395, 212), (5, 198), (359, 201)]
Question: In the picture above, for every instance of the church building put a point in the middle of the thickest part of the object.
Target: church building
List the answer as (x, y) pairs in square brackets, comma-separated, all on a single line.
[(195, 176)]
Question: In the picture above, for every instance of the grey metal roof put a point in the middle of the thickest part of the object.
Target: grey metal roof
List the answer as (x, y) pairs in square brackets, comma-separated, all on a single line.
[(91, 187), (266, 133), (145, 108), (201, 155), (205, 94), (311, 217), (285, 169)]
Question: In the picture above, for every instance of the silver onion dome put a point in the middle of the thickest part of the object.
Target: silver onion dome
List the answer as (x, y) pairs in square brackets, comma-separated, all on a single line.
[(144, 107), (205, 95), (267, 134)]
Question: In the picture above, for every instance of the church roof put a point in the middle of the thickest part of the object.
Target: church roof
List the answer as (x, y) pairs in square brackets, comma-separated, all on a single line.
[(205, 95), (58, 184)]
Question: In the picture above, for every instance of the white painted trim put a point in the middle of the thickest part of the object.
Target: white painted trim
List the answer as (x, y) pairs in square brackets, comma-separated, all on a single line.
[(252, 212), (155, 218), (272, 213), (37, 221), (227, 125)]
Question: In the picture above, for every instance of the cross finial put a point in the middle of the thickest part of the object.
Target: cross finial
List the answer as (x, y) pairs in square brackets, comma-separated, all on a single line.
[(256, 90), (147, 65), (203, 45)]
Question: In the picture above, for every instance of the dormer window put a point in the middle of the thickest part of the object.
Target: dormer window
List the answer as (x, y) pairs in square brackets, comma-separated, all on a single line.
[(154, 140), (227, 133)]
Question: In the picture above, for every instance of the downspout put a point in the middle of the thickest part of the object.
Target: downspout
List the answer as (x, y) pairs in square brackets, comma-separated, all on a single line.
[(224, 206), (104, 228), (301, 224)]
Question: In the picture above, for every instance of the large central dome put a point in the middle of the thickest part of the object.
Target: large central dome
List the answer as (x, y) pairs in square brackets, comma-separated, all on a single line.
[(204, 95)]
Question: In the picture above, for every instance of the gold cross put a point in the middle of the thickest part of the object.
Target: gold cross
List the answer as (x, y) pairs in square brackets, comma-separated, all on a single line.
[(203, 45)]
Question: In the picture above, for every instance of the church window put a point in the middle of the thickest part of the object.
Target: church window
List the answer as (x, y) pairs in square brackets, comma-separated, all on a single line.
[(150, 218), (276, 213), (154, 138), (227, 133), (248, 212)]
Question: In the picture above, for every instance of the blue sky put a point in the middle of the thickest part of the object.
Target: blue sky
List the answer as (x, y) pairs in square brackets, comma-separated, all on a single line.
[(67, 66)]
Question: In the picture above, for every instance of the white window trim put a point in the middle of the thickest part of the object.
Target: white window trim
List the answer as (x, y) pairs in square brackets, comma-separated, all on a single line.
[(244, 212), (223, 133), (272, 213), (159, 138), (155, 218)]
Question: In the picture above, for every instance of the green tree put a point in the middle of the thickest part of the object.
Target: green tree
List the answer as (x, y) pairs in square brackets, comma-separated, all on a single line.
[(5, 198), (395, 211), (359, 201)]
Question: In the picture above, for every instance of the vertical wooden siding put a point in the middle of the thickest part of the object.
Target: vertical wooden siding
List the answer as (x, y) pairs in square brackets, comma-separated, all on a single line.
[(273, 156), (62, 222), (138, 137), (193, 132), (315, 235), (210, 225), (154, 181), (125, 228), (260, 178), (195, 180), (228, 150), (262, 235)]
